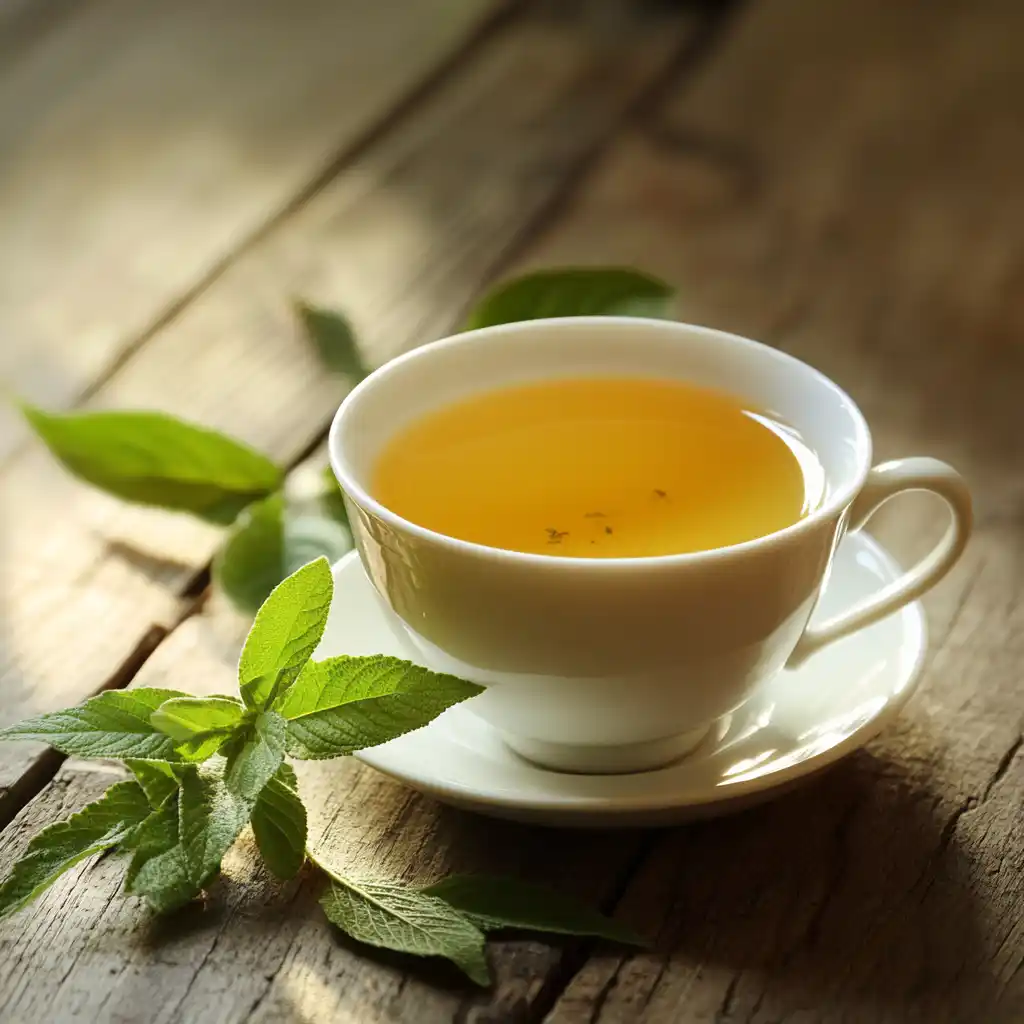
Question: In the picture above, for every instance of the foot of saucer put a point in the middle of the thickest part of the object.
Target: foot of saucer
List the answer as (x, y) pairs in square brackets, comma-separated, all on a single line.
[(591, 760)]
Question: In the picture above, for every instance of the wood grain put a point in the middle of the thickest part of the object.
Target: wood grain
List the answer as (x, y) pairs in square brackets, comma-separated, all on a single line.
[(142, 144), (402, 240), (843, 181), (256, 950)]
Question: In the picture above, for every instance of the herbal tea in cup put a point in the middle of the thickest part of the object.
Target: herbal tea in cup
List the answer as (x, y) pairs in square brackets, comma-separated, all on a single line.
[(600, 467), (699, 482)]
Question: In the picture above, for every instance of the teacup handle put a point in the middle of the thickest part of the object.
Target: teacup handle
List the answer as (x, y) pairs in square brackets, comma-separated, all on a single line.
[(884, 482)]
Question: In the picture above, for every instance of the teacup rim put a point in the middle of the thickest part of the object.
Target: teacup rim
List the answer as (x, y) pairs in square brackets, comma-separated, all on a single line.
[(830, 508)]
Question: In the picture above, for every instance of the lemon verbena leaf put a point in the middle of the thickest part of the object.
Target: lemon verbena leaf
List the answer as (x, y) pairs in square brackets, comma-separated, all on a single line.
[(285, 633)]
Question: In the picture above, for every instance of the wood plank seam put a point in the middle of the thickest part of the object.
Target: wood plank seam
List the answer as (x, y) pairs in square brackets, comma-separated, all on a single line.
[(501, 14), (402, 110), (715, 18), (576, 954), (46, 766), (974, 801)]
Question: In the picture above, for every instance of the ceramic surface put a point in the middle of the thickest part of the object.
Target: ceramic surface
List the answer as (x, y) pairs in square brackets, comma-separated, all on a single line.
[(791, 726), (621, 664)]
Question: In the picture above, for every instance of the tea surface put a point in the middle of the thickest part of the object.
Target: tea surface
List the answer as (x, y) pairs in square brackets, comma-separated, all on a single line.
[(599, 468)]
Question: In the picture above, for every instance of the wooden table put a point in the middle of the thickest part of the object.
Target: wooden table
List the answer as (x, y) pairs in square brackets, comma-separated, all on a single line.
[(844, 180)]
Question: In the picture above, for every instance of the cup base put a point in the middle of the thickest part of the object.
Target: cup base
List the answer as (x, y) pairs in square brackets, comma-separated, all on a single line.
[(602, 760)]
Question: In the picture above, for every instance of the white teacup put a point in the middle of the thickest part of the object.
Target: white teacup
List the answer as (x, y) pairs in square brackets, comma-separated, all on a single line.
[(623, 664)]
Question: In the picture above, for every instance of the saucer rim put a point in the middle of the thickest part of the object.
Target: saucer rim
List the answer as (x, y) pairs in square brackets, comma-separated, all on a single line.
[(915, 637)]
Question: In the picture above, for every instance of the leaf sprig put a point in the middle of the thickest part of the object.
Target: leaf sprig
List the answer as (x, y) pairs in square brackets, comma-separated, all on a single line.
[(205, 767)]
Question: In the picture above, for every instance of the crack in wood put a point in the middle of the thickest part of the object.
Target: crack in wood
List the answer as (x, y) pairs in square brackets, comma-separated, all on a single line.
[(758, 1003), (949, 828), (202, 963), (73, 961), (603, 993), (1010, 980), (575, 958), (725, 1007), (972, 801), (29, 784), (1001, 768), (662, 968), (305, 880)]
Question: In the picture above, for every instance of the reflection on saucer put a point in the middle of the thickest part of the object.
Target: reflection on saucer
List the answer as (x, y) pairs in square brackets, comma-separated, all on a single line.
[(791, 726), (813, 742)]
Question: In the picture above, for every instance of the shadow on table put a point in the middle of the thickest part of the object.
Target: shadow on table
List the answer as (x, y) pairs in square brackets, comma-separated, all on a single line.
[(853, 892)]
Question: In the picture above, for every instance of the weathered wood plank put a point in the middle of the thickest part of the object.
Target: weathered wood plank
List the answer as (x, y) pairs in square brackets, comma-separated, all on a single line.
[(260, 951), (842, 180), (141, 144), (402, 240)]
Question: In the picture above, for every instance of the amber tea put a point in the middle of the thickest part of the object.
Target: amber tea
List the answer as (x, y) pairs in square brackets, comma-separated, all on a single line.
[(600, 468)]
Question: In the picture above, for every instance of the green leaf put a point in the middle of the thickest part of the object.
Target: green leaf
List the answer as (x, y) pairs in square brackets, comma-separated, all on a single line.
[(154, 459), (344, 704), (157, 779), (184, 717), (279, 824), (259, 757), (285, 633), (310, 531), (161, 874), (199, 726), (96, 827), (492, 903), (574, 291), (250, 562), (273, 538), (209, 819), (327, 684), (115, 723), (156, 835), (333, 498), (332, 337), (393, 916)]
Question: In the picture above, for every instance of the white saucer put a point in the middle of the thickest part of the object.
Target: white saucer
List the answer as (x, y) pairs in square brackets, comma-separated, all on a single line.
[(793, 725)]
